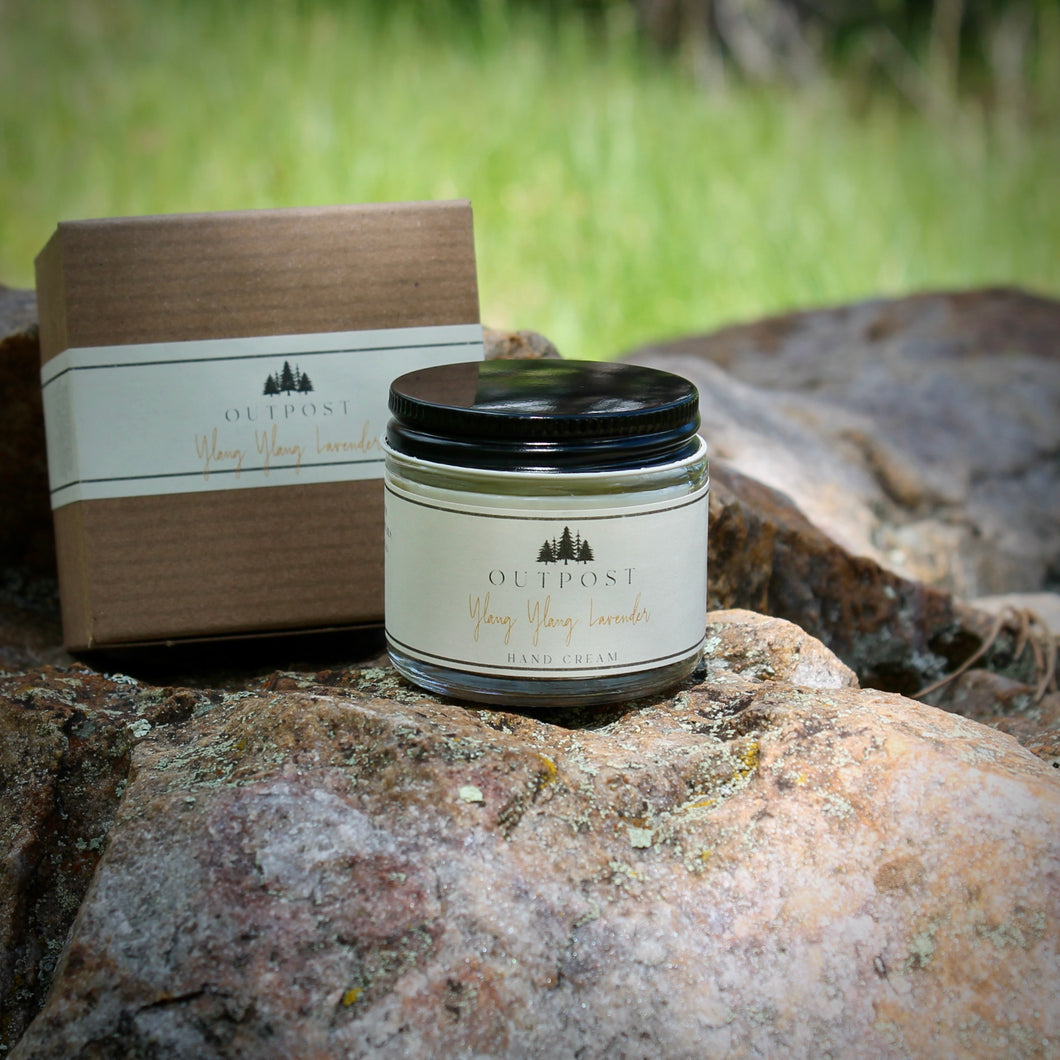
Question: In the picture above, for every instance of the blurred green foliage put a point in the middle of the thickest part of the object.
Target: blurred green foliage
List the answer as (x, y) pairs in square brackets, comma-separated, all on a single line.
[(626, 187)]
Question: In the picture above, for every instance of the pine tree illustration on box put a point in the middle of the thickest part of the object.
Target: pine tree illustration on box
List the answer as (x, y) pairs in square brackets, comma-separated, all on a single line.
[(566, 549), (287, 381)]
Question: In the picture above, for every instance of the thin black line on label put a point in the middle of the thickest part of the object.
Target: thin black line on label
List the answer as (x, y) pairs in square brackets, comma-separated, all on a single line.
[(219, 471), (425, 656), (558, 514), (413, 348)]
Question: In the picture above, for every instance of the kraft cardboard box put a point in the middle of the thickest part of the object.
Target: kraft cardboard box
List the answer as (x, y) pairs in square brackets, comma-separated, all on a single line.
[(215, 387)]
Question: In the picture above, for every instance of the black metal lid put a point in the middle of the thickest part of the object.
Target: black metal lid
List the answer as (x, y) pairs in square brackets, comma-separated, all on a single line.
[(546, 415)]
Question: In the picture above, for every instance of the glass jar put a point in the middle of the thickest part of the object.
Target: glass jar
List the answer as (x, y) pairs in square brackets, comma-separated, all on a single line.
[(546, 531)]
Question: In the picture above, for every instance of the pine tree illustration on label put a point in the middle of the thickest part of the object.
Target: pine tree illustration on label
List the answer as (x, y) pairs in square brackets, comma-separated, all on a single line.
[(566, 549)]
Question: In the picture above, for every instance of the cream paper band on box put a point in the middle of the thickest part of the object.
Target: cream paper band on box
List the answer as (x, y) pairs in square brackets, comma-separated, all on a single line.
[(546, 592), (221, 414)]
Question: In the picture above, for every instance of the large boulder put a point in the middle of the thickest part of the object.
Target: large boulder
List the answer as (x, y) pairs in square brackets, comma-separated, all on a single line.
[(767, 861), (886, 476), (211, 857), (919, 432)]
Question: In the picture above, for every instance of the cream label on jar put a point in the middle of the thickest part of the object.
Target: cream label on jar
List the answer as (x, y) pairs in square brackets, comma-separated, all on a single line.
[(237, 413), (519, 592)]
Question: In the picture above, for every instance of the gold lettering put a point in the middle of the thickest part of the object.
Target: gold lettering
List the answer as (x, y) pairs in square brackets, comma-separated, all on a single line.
[(479, 611), (634, 617), (269, 446), (542, 618), (206, 448), (365, 444)]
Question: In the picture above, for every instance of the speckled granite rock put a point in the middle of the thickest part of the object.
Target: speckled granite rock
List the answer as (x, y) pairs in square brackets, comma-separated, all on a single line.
[(769, 862), (921, 432), (881, 466), (65, 742), (765, 555)]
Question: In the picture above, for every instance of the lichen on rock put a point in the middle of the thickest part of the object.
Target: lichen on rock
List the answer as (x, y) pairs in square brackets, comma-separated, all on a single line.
[(744, 866)]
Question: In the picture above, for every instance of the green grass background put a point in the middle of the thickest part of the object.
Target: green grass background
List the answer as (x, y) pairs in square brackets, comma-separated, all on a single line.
[(616, 200)]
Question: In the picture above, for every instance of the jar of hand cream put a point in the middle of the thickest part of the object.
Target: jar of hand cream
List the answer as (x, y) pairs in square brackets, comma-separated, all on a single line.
[(546, 531)]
